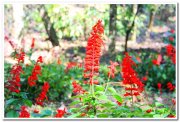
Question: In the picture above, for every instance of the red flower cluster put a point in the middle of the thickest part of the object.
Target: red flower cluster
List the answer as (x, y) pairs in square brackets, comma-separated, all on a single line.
[(129, 76), (112, 69), (94, 82), (171, 52), (36, 111), (171, 116), (149, 111), (71, 65), (36, 71), (170, 86), (158, 60), (60, 113), (93, 51), (42, 95), (32, 44), (77, 88), (24, 113), (13, 83)]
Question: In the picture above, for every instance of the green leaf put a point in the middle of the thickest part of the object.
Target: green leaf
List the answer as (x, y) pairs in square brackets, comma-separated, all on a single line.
[(10, 101), (118, 98), (74, 115), (103, 97), (27, 102), (103, 115), (157, 116), (46, 113), (12, 113), (99, 88), (74, 102), (112, 90), (158, 104), (35, 115)]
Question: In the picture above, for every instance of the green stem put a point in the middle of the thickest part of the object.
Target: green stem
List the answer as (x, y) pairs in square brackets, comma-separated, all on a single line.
[(106, 86)]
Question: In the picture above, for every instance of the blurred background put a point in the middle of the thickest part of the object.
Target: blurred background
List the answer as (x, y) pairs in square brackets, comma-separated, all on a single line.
[(63, 30)]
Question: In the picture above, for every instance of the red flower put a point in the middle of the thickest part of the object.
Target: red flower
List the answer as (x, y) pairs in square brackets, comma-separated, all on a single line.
[(172, 31), (171, 116), (32, 44), (59, 61), (149, 111), (71, 65), (158, 61), (171, 38), (171, 52), (118, 103), (36, 111), (77, 89), (42, 96), (93, 51), (83, 114), (36, 71), (159, 85), (170, 86), (13, 83), (174, 101), (129, 76), (24, 113), (112, 69), (60, 113), (144, 78)]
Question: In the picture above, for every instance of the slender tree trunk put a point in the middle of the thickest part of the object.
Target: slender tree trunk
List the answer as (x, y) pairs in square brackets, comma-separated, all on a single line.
[(112, 27), (130, 29), (151, 20), (134, 30), (52, 35)]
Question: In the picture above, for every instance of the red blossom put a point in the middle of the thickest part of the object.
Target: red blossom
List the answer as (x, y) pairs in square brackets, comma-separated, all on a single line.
[(159, 85), (42, 96), (36, 111), (130, 77), (13, 83), (171, 38), (83, 114), (112, 69), (60, 113), (172, 31), (77, 89), (119, 103), (71, 65), (171, 116), (32, 44), (93, 51), (170, 86), (149, 111), (144, 78), (158, 60), (36, 71), (174, 101), (24, 113), (171, 52)]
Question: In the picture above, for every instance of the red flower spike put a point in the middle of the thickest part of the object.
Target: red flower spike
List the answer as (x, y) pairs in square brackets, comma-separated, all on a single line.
[(112, 69), (171, 52), (32, 44), (60, 113), (13, 83), (42, 96), (36, 71), (24, 113), (130, 77), (93, 51), (77, 89)]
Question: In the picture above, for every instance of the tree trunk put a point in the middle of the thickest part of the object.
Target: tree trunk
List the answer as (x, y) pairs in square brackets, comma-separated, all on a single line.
[(134, 30), (51, 32), (130, 29), (112, 27), (18, 21), (151, 20)]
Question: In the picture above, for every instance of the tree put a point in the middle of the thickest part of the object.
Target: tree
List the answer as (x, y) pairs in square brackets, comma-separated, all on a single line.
[(49, 26), (112, 26)]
